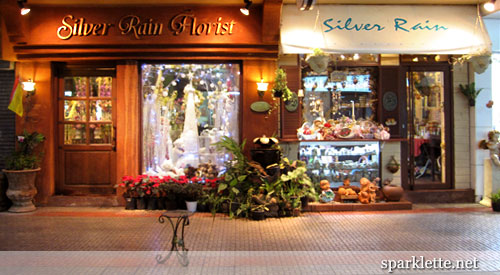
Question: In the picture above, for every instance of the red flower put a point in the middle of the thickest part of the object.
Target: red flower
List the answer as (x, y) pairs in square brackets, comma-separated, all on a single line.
[(327, 125)]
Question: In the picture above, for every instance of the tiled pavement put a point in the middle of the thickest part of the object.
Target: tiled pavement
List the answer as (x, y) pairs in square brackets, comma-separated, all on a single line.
[(463, 229)]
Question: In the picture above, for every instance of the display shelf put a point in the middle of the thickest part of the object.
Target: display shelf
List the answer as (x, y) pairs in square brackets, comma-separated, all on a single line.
[(336, 161)]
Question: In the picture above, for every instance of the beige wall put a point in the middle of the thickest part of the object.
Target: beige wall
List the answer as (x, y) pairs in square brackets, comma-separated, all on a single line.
[(461, 128)]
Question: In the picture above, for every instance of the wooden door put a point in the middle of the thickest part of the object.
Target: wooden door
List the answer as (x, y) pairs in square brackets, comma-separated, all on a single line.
[(86, 132)]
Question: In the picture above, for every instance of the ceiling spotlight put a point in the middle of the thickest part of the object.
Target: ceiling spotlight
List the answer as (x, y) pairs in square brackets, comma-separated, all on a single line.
[(246, 9), (24, 10), (305, 5), (489, 6)]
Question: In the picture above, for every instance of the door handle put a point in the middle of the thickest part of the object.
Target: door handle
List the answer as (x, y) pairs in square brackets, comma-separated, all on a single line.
[(113, 145)]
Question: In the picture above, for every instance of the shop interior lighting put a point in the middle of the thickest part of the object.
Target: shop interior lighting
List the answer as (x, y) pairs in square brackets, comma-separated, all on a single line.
[(355, 56), (262, 87), (24, 10), (246, 9), (489, 6), (300, 93)]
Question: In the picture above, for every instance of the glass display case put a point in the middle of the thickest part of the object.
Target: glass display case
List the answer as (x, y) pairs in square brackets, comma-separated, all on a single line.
[(336, 161)]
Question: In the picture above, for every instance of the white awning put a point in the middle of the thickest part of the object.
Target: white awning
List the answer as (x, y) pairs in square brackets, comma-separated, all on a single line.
[(397, 29)]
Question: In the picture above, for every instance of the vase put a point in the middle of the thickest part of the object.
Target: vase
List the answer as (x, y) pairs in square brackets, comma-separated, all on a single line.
[(392, 192), (191, 206), (393, 165), (130, 203), (21, 189)]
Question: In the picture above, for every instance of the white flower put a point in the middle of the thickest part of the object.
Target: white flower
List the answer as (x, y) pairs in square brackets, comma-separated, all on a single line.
[(20, 138)]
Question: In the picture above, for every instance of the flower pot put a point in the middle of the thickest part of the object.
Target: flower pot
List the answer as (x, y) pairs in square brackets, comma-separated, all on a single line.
[(161, 203), (393, 165), (495, 206), (152, 203), (191, 205), (304, 201), (141, 203), (318, 63), (258, 215), (130, 203), (392, 192), (234, 207), (277, 93), (21, 190), (296, 212)]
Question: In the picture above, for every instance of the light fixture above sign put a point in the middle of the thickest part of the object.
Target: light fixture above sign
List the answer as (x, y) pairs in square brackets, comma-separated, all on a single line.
[(262, 87), (305, 5), (246, 10), (24, 10)]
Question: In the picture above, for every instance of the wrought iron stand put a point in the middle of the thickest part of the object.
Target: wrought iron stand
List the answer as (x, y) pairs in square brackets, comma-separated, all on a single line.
[(181, 251)]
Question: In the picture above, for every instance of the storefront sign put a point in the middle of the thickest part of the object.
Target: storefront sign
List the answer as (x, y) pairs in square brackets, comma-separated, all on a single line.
[(133, 24), (384, 29)]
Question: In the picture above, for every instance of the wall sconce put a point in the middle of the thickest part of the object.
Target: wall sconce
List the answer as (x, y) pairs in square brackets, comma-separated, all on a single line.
[(29, 86), (24, 10), (489, 6), (246, 9), (262, 87)]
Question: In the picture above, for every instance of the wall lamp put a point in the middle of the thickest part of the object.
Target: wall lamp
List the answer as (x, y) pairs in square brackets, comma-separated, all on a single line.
[(489, 6), (24, 10), (262, 87), (246, 9), (29, 86)]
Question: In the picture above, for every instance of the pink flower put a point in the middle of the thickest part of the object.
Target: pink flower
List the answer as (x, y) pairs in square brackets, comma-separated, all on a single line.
[(20, 138)]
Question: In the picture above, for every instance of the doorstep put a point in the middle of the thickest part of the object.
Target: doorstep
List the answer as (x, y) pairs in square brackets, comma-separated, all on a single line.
[(84, 201), (440, 196), (379, 206)]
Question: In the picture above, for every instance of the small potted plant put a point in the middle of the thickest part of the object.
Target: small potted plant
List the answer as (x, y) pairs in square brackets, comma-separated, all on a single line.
[(495, 201), (469, 91), (191, 193), (258, 212), (280, 88), (21, 168)]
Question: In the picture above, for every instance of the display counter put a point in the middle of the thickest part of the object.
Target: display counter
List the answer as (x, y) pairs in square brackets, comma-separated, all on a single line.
[(336, 161)]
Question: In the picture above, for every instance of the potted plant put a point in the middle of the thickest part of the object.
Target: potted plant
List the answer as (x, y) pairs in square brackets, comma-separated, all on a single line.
[(258, 212), (318, 61), (21, 168), (495, 201), (192, 192), (469, 91), (280, 88), (129, 194)]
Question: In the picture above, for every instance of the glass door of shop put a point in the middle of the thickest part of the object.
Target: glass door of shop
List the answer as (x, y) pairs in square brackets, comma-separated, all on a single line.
[(429, 134), (86, 151)]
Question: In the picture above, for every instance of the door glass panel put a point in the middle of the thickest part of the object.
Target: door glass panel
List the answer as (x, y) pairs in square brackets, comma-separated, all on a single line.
[(100, 110), (75, 110), (428, 129), (75, 86), (75, 134), (100, 133), (100, 86)]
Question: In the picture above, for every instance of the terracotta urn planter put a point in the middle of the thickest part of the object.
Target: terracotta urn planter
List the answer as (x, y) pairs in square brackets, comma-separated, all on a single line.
[(392, 192), (21, 190)]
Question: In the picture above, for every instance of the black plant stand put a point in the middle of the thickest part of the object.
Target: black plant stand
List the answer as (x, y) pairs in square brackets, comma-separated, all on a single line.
[(182, 217)]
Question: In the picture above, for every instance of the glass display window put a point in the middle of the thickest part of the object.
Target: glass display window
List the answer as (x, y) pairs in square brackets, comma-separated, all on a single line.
[(344, 92), (186, 109)]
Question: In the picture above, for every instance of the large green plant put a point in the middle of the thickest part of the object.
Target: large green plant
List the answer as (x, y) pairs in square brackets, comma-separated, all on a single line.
[(25, 156)]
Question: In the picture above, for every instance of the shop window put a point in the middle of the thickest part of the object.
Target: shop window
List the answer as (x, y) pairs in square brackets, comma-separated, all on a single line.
[(186, 109), (87, 108), (343, 96)]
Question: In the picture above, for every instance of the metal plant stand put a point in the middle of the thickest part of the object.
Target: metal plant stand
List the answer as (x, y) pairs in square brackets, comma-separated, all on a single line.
[(181, 251)]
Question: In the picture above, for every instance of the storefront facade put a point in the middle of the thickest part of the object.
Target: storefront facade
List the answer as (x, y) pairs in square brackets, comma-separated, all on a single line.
[(105, 76), (407, 78)]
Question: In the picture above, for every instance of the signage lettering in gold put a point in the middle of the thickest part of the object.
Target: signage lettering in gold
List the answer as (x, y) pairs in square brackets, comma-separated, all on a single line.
[(184, 21), (79, 27), (132, 23)]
